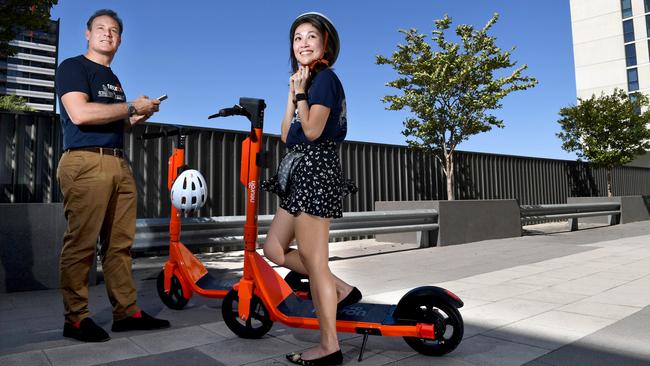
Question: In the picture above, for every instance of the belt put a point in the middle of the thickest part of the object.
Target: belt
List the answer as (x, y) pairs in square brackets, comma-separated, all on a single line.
[(101, 150)]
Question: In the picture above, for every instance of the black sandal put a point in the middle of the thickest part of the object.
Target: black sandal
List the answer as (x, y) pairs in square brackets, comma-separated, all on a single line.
[(353, 297), (332, 359)]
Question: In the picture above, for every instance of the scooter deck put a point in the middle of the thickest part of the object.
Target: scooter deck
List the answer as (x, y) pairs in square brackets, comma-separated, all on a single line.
[(209, 282), (294, 306)]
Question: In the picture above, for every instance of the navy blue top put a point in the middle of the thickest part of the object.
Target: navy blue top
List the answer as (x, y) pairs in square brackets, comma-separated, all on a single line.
[(326, 90), (79, 74)]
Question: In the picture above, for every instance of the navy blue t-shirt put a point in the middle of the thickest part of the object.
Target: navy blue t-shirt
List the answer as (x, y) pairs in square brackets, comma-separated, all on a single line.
[(326, 90), (79, 74)]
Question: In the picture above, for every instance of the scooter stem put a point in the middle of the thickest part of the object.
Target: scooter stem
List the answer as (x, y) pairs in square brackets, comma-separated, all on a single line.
[(250, 168), (176, 161)]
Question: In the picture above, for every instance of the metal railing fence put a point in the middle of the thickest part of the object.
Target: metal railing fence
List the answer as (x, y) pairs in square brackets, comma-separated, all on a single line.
[(573, 211), (31, 147), (227, 232)]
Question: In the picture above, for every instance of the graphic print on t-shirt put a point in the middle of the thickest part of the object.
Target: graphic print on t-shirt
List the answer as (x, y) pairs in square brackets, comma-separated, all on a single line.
[(111, 91)]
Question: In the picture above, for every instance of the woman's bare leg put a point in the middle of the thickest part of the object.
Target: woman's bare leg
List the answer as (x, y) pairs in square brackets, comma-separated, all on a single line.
[(276, 249), (312, 233)]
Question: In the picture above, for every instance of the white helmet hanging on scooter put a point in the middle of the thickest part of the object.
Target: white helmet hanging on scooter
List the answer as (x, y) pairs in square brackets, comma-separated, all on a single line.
[(189, 191)]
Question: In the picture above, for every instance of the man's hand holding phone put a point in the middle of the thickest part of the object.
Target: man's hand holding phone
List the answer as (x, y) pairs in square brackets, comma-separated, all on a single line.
[(144, 108)]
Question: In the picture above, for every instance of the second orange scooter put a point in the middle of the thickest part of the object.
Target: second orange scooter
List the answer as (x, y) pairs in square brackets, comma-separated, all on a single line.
[(426, 317)]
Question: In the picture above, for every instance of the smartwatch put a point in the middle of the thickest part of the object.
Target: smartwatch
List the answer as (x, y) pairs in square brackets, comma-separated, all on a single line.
[(131, 109), (301, 96)]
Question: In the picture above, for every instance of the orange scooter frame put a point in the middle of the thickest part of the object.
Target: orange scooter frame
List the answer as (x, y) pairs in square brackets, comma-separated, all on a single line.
[(427, 317), (183, 274)]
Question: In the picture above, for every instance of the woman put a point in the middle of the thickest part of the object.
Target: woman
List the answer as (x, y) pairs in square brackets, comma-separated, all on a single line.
[(313, 125)]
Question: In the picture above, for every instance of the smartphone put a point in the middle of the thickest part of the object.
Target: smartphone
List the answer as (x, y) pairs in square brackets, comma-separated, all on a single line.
[(162, 97)]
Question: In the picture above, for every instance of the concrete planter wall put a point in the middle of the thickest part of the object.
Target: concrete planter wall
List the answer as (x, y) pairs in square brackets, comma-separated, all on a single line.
[(462, 221), (633, 208), (31, 236)]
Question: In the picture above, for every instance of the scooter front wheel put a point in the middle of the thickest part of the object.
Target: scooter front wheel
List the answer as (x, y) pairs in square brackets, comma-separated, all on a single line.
[(174, 299), (448, 328), (258, 323)]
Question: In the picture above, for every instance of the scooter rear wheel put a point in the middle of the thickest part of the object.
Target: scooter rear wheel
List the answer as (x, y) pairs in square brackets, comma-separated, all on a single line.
[(174, 299), (258, 323), (448, 328)]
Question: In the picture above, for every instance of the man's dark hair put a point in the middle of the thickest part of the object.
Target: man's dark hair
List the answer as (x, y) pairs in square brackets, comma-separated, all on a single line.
[(108, 12)]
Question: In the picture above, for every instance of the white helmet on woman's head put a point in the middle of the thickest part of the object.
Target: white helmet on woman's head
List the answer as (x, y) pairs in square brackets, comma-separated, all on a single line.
[(189, 191), (332, 43)]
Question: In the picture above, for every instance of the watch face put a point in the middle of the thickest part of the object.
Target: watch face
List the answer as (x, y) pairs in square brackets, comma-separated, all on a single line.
[(132, 110)]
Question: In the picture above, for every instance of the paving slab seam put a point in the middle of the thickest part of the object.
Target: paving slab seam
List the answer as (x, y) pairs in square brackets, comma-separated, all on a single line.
[(547, 350)]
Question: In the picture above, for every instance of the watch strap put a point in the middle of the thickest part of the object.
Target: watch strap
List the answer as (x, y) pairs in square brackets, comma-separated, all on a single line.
[(131, 109), (301, 96)]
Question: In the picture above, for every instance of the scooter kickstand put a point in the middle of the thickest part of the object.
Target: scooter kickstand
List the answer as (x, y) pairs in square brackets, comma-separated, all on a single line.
[(363, 345)]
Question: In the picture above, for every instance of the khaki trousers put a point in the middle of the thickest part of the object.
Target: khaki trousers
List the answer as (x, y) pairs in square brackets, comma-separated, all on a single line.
[(99, 200)]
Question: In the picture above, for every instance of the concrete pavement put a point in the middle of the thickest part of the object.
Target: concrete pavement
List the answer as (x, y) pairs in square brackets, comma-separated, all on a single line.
[(562, 298)]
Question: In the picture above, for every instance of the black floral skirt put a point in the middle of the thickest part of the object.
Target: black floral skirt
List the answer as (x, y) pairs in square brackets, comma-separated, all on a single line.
[(316, 186)]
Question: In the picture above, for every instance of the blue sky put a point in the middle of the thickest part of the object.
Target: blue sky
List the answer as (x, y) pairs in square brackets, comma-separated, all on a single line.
[(206, 54)]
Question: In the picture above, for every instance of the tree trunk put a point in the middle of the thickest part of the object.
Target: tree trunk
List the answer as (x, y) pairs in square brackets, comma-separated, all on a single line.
[(609, 183), (449, 166)]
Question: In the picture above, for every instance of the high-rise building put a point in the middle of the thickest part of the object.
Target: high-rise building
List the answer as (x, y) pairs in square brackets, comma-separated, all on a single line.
[(611, 48), (30, 72)]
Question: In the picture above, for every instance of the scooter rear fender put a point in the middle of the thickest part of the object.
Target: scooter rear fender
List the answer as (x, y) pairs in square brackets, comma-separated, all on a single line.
[(425, 293)]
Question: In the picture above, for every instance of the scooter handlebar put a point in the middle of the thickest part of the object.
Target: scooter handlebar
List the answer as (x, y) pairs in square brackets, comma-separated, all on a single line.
[(236, 110), (166, 133)]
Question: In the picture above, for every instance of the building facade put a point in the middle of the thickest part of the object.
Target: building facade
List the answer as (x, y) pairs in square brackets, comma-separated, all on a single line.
[(611, 48), (30, 72)]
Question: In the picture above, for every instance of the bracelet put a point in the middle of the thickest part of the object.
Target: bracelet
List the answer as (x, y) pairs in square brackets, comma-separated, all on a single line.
[(301, 96)]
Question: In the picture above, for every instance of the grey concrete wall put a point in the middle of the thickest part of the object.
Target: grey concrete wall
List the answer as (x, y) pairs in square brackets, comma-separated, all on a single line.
[(462, 221), (412, 237), (633, 208), (31, 236)]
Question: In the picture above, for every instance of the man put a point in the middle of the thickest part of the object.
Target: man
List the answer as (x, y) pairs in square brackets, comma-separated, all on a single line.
[(99, 192)]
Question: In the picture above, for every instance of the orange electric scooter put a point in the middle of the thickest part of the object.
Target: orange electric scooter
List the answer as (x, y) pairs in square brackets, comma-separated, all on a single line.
[(183, 274), (427, 317)]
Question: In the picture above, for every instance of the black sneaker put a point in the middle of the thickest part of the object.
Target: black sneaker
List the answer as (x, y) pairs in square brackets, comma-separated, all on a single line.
[(88, 331), (144, 322)]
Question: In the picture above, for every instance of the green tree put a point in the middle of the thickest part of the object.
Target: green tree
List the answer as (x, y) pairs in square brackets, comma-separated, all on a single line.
[(18, 15), (14, 103), (608, 130), (452, 89)]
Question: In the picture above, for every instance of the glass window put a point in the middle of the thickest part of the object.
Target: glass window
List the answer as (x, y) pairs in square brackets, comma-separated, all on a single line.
[(637, 108), (632, 80), (630, 54), (628, 31), (646, 4), (647, 25), (626, 8)]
